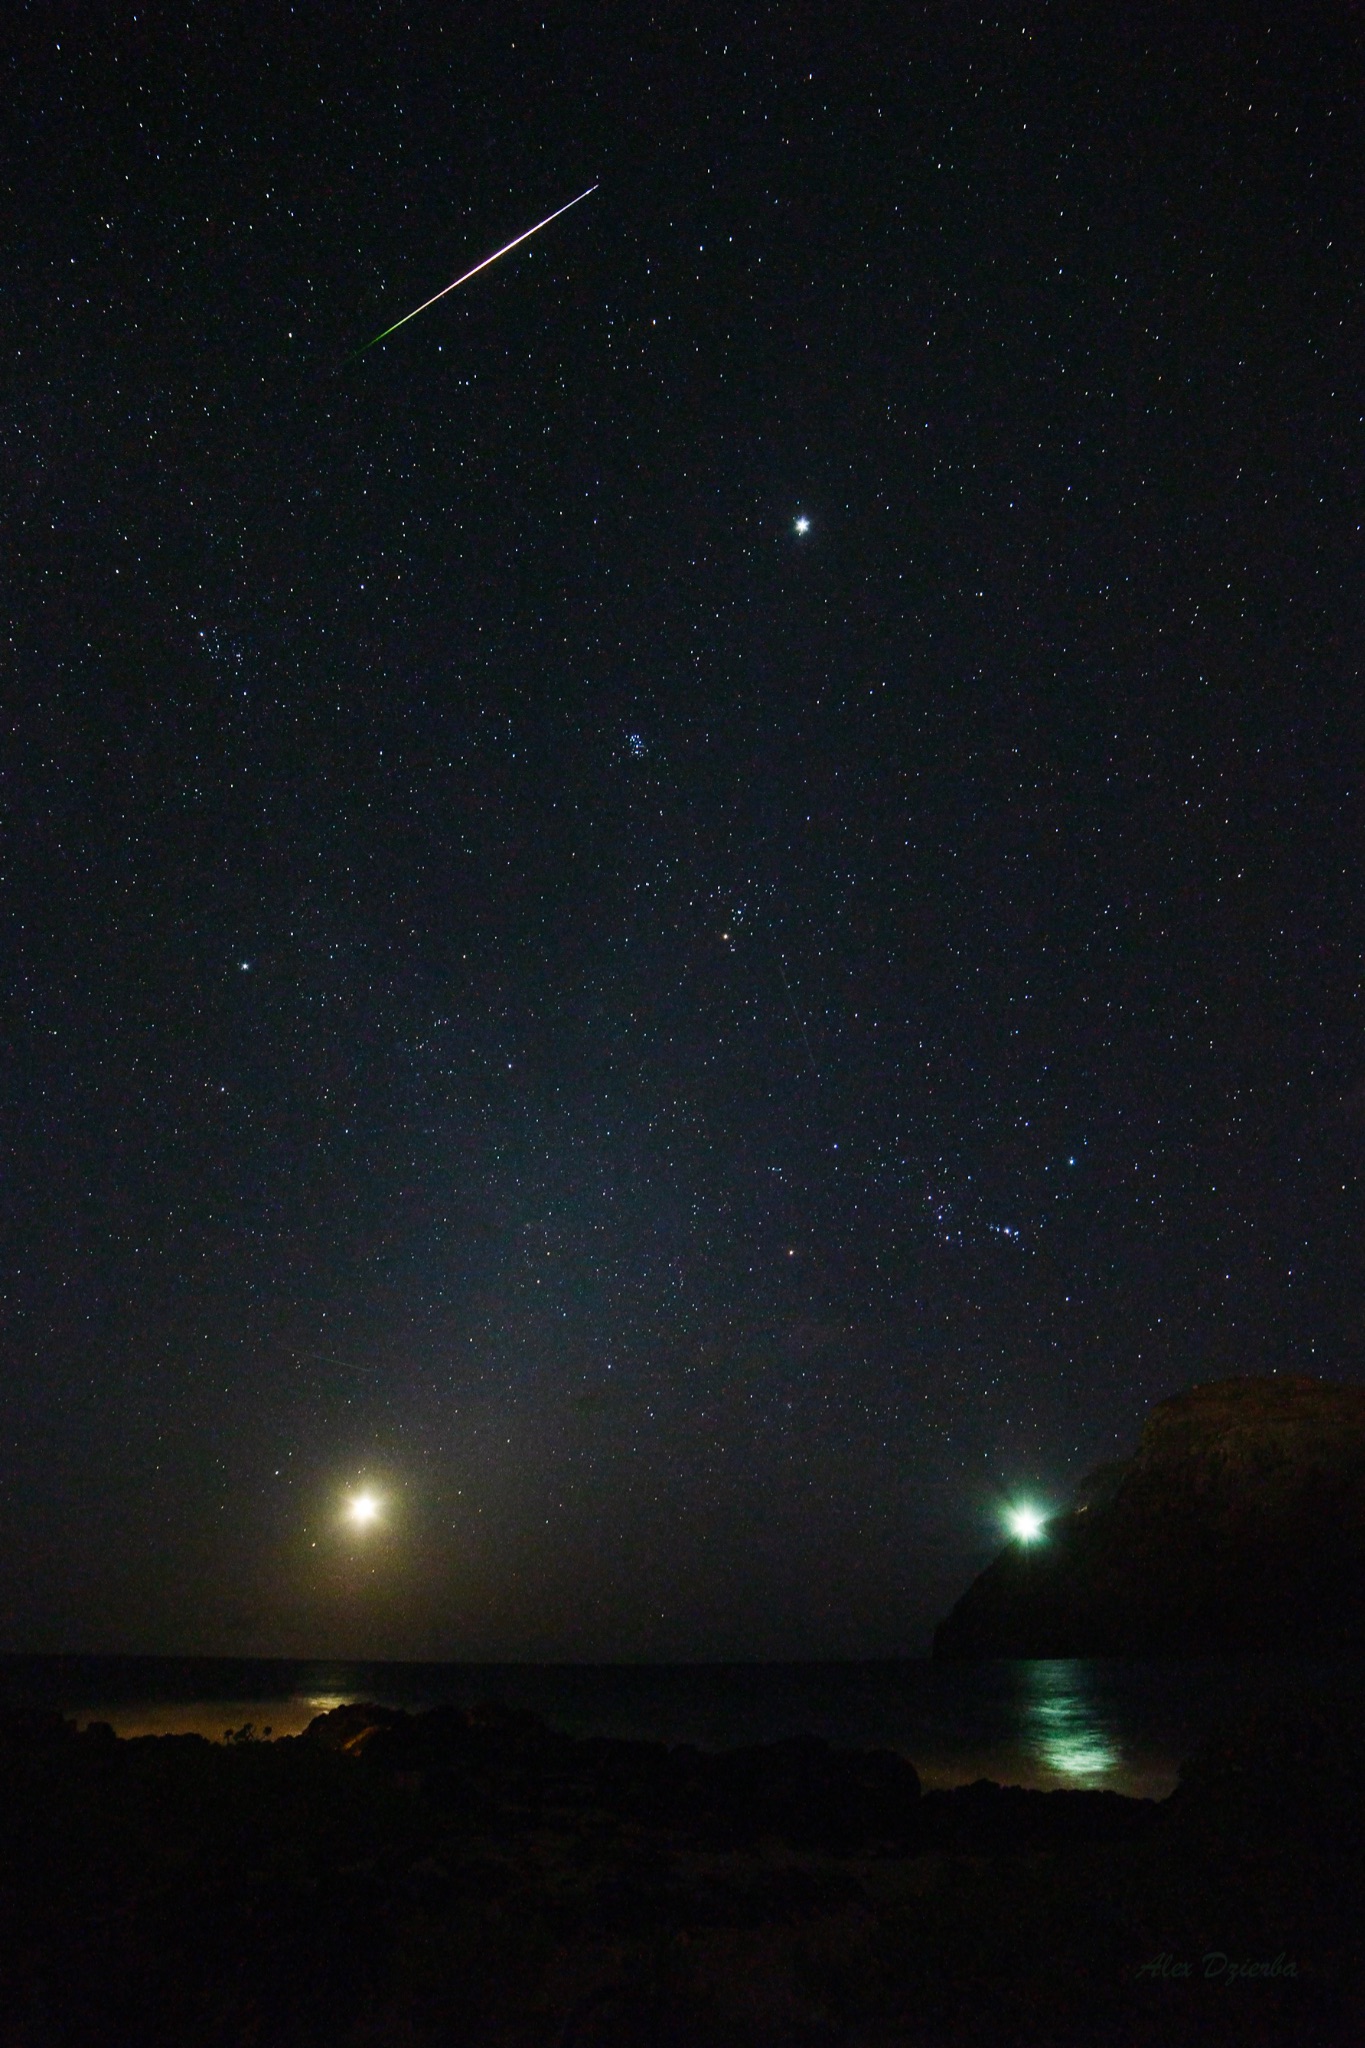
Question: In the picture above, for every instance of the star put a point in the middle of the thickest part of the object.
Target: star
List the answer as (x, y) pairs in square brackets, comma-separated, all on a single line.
[(802, 523)]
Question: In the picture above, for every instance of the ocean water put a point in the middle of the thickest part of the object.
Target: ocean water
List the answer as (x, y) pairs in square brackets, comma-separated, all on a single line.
[(1100, 1723)]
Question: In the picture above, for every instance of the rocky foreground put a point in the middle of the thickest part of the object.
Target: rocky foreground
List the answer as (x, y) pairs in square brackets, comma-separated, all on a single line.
[(1239, 1525), (476, 1878)]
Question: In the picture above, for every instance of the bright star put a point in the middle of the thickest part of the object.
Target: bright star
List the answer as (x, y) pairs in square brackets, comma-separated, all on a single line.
[(363, 1510), (1026, 1524), (802, 523)]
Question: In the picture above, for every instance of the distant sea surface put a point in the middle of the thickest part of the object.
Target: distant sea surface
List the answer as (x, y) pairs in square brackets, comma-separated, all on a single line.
[(1102, 1723)]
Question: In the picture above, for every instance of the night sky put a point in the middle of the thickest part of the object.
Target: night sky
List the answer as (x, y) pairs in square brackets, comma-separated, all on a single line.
[(704, 917)]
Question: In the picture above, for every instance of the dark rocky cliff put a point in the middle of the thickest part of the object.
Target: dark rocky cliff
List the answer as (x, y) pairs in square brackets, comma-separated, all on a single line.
[(1238, 1525)]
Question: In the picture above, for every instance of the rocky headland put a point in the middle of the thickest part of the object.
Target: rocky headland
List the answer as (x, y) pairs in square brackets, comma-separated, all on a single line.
[(1238, 1526)]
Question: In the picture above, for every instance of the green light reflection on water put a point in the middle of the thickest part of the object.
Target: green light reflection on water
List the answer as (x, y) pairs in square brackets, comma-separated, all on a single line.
[(1063, 1724)]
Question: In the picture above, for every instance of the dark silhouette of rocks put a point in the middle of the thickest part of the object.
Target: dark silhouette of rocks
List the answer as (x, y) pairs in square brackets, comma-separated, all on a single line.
[(1239, 1525), (491, 1759), (800, 1791), (472, 1876)]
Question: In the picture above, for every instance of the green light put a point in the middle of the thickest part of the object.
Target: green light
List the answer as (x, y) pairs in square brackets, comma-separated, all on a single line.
[(1026, 1524)]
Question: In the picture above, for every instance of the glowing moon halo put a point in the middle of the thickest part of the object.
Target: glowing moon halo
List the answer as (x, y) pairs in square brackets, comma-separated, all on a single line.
[(363, 1510)]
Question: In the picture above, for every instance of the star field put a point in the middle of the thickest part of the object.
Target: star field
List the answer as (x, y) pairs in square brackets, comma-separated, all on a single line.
[(703, 918)]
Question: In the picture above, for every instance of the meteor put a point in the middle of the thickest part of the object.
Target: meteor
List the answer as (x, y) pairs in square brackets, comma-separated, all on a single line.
[(505, 250)]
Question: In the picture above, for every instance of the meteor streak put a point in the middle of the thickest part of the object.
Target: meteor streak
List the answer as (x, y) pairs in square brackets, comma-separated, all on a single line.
[(506, 248)]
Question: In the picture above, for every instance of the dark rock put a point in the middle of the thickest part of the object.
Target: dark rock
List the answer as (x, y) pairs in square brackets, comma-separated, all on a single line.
[(987, 1819), (1239, 1525), (1278, 1773), (168, 1889), (490, 1759), (352, 1727), (806, 1793), (35, 1728)]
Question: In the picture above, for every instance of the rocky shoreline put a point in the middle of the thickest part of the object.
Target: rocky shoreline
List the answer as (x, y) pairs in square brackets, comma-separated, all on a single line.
[(477, 1877)]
